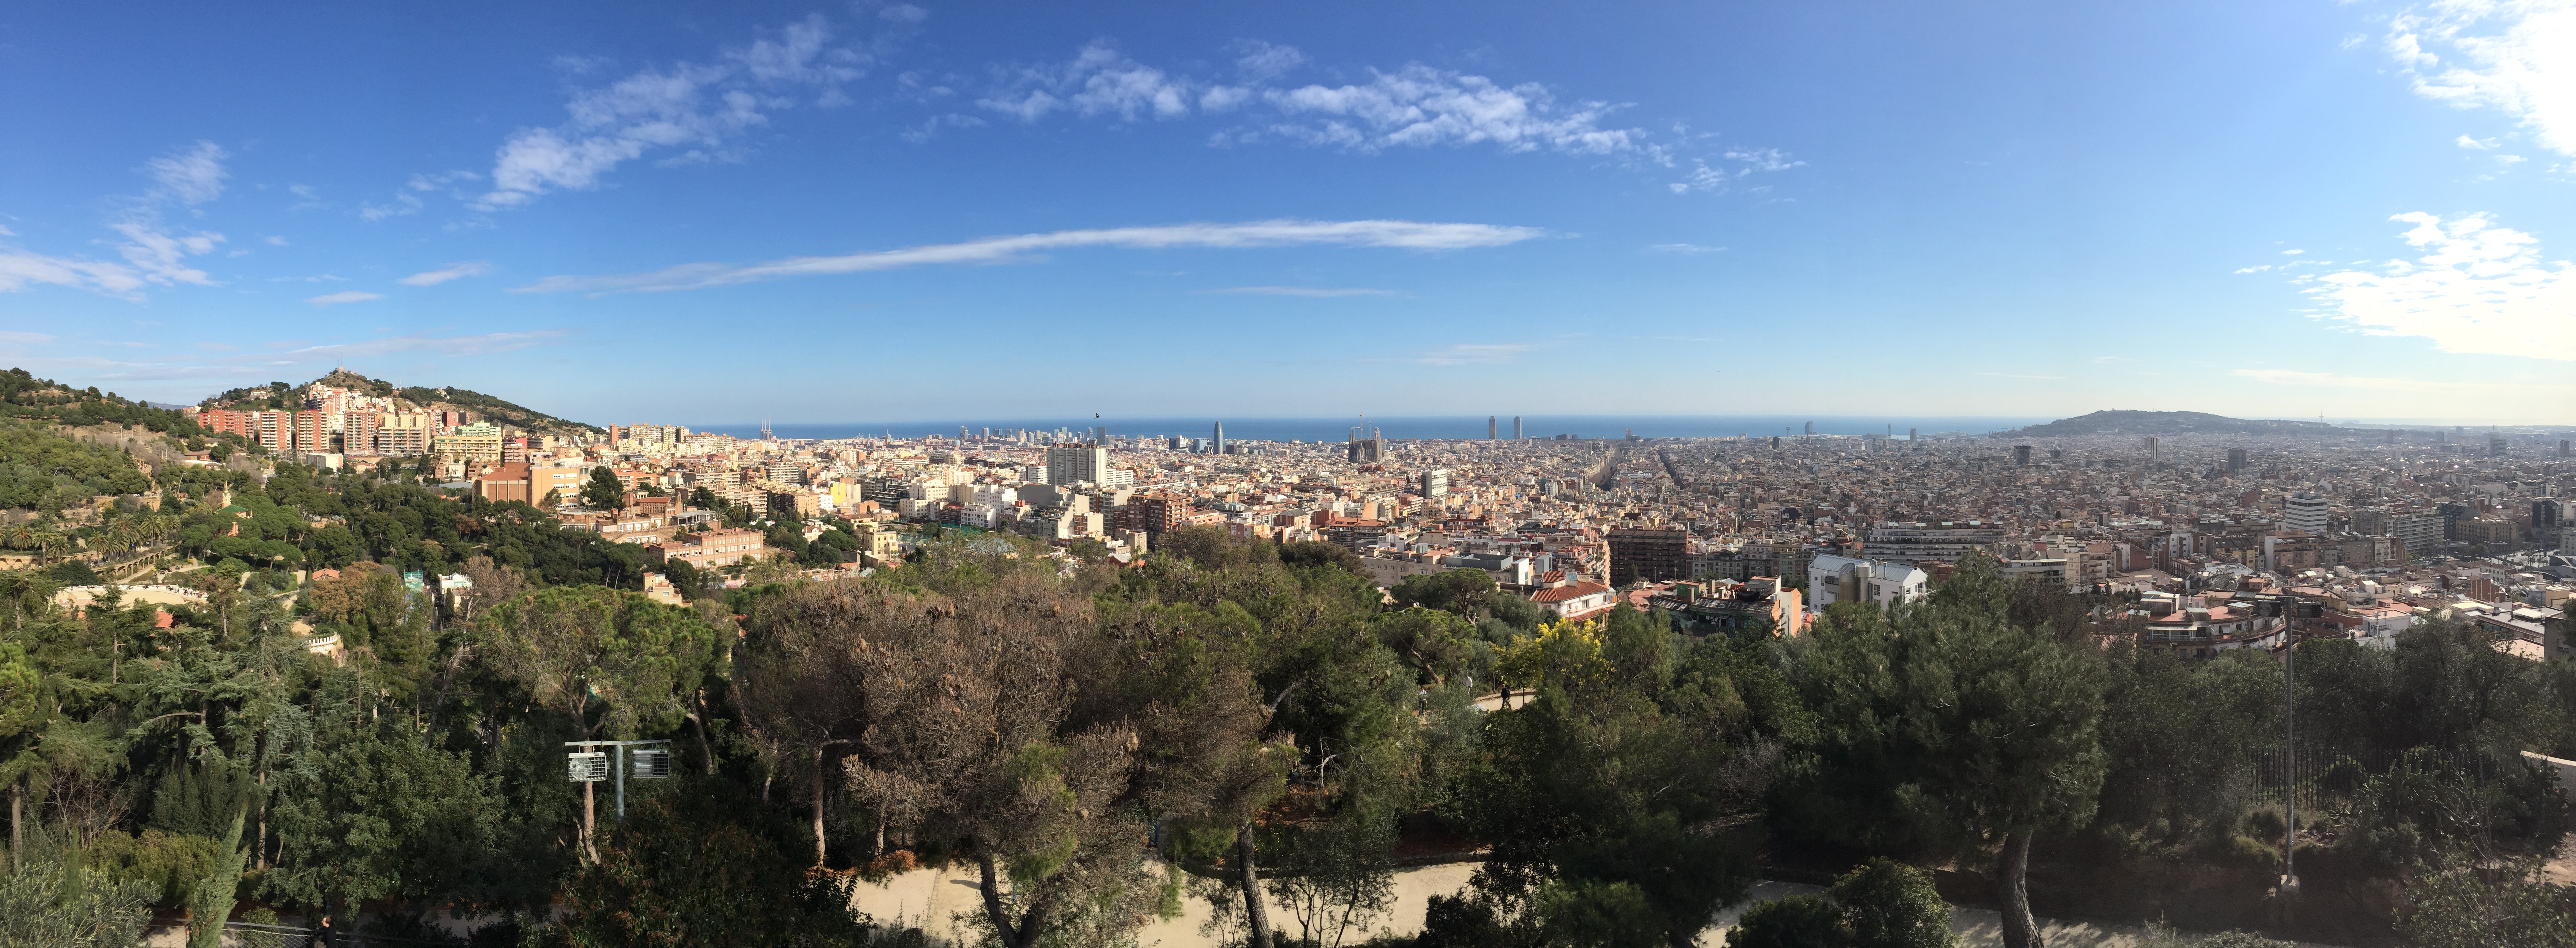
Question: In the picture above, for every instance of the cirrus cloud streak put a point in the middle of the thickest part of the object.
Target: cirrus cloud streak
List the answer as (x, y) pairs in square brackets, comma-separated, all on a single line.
[(1409, 235)]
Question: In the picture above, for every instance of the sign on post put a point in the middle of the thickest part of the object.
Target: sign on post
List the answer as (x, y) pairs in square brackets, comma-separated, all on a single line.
[(650, 763), (587, 766)]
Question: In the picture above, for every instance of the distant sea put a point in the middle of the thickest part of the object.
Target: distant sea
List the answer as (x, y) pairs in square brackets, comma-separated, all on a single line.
[(1407, 426)]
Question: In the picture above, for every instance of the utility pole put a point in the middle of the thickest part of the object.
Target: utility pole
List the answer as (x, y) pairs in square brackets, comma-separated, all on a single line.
[(650, 760)]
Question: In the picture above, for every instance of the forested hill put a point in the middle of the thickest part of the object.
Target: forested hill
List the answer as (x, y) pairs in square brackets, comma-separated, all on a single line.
[(2164, 423), (22, 395), (493, 408), (275, 395)]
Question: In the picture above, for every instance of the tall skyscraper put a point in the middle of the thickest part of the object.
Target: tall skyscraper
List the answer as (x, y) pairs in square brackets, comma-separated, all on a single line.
[(1435, 482), (2235, 460), (1913, 434), (2021, 455), (1216, 444), (1811, 427), (1489, 428), (2495, 446), (1516, 427)]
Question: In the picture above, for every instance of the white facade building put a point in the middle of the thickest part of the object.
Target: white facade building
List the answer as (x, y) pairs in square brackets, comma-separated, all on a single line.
[(1832, 579), (1077, 463), (2305, 512)]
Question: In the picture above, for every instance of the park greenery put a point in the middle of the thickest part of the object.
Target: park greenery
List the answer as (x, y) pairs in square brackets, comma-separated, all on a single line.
[(315, 732)]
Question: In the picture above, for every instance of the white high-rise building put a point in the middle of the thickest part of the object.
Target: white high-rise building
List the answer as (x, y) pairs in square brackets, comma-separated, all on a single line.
[(1435, 482), (2305, 511), (1077, 463)]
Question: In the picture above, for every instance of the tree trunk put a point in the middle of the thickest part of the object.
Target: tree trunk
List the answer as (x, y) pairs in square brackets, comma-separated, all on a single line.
[(1022, 935), (1256, 917), (589, 821), (818, 808), (17, 820), (2020, 930), (698, 721)]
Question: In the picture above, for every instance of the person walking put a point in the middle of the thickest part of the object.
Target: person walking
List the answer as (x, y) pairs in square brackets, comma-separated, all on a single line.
[(325, 936)]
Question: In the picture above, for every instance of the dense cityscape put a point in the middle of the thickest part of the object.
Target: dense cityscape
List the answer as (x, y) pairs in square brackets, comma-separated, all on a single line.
[(448, 555)]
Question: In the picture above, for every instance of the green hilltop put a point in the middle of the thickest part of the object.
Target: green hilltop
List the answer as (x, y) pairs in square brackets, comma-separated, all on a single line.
[(491, 407)]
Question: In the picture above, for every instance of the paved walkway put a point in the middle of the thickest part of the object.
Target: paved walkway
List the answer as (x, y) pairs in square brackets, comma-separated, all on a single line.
[(931, 898)]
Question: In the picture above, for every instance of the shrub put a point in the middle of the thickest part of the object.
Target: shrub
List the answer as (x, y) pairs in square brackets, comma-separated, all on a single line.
[(1798, 921)]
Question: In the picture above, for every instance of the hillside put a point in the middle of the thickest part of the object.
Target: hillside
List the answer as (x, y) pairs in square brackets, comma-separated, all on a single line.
[(22, 395), (275, 395), (2166, 423), (493, 408)]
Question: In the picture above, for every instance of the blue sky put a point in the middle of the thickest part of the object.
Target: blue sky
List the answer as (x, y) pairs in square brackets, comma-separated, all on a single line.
[(831, 212)]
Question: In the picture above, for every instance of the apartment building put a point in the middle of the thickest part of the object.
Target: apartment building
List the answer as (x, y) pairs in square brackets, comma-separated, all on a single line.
[(479, 441), (1922, 542), (710, 549)]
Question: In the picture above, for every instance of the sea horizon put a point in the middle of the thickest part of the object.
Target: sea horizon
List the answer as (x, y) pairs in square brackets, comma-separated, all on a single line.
[(1408, 427)]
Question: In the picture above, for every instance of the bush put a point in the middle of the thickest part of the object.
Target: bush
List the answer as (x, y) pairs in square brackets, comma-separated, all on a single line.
[(1888, 904), (1799, 921), (169, 863), (690, 869), (49, 902)]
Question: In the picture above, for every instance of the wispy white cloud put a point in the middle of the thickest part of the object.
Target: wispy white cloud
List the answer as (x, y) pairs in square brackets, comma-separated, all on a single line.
[(1419, 106), (193, 176), (2475, 288), (1684, 248), (2257, 268), (1099, 80), (482, 344), (1412, 106), (344, 296), (160, 254), (453, 271), (1721, 177), (1259, 61), (691, 112), (1410, 235), (2516, 57), (2476, 144), (1314, 291), (2377, 384), (2009, 375), (2292, 252), (25, 338), (154, 252), (276, 241), (1482, 353), (307, 198), (21, 269)]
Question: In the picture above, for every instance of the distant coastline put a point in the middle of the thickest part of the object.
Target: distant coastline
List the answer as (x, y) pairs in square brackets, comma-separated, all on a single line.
[(1409, 426)]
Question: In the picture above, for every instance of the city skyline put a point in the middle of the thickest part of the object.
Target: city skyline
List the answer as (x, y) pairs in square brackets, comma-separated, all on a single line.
[(928, 212)]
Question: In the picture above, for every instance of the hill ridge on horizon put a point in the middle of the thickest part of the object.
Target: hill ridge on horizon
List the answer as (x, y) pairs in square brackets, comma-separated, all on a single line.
[(490, 406), (2138, 422)]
